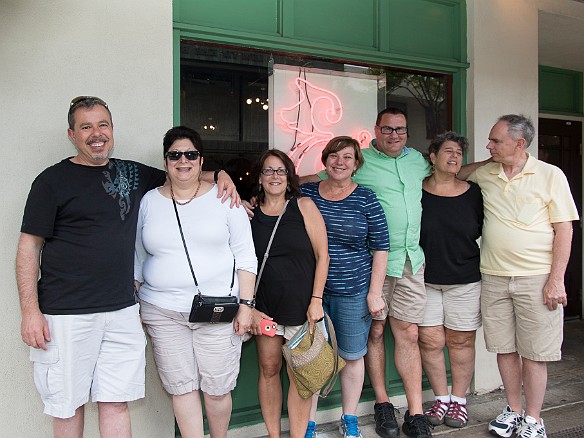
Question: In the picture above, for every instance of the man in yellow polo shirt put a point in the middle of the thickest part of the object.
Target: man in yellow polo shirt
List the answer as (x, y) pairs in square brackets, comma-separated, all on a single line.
[(525, 248)]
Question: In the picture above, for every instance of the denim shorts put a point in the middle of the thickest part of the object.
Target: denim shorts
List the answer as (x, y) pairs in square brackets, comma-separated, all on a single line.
[(352, 320)]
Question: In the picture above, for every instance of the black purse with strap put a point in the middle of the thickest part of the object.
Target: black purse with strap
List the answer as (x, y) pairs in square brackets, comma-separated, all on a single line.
[(206, 308)]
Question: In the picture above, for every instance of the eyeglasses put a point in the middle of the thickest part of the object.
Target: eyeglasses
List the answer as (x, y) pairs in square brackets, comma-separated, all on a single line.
[(269, 171), (387, 130), (189, 155), (79, 99)]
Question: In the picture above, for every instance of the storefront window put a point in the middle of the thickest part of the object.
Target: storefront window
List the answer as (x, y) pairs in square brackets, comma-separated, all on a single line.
[(224, 96)]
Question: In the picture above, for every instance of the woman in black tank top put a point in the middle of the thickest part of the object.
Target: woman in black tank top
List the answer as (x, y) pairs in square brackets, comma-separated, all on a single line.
[(292, 283)]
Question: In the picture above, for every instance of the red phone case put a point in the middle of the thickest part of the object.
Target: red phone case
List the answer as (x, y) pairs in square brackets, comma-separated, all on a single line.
[(268, 327)]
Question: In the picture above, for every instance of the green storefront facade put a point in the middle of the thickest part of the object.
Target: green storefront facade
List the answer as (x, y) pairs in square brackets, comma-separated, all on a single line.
[(421, 35), (413, 35)]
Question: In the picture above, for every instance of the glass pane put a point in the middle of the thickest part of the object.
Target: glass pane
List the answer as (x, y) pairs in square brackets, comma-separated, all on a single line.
[(224, 96), (424, 98)]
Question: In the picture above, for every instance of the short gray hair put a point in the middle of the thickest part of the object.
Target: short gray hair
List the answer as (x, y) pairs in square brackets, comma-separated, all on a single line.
[(519, 126)]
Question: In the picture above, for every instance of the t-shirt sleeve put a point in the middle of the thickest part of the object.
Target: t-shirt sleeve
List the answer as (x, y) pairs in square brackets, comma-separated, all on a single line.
[(561, 207), (41, 209), (322, 175), (154, 177), (473, 177), (428, 167), (378, 234)]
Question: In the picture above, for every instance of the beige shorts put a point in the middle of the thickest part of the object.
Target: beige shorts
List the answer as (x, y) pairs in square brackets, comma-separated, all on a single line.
[(405, 298), (192, 356), (455, 306), (102, 353), (516, 320)]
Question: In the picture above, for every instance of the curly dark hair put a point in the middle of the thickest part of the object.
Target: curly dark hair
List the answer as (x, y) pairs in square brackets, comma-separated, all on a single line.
[(293, 189), (440, 139)]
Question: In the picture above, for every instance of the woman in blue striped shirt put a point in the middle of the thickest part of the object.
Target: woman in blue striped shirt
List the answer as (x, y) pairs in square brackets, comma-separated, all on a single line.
[(358, 245)]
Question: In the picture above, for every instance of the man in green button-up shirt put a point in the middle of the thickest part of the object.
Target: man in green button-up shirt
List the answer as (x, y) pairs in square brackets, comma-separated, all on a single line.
[(395, 173)]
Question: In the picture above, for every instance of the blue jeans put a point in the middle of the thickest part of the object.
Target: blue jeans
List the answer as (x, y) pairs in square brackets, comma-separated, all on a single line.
[(351, 320)]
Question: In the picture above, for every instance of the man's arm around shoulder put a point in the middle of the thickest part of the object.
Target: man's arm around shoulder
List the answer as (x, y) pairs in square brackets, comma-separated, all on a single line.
[(467, 169), (34, 327), (309, 178)]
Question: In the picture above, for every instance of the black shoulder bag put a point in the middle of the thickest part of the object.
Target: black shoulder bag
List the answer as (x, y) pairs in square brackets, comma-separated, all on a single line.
[(207, 308)]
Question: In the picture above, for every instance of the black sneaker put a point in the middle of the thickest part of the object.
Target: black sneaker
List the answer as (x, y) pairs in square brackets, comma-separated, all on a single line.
[(385, 422), (417, 426)]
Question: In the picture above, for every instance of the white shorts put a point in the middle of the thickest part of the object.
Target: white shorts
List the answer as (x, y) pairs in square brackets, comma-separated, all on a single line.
[(455, 306), (101, 353)]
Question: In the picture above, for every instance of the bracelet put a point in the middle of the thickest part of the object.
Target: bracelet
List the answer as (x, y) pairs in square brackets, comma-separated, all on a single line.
[(314, 296), (249, 303), (216, 175)]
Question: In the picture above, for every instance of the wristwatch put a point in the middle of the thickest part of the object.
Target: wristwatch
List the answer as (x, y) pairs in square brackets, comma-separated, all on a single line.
[(250, 303), (216, 175)]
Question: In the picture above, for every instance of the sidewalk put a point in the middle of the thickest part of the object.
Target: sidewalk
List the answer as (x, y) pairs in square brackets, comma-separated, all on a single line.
[(563, 411)]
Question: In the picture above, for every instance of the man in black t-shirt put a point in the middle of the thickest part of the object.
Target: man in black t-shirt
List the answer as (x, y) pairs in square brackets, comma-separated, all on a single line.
[(81, 317)]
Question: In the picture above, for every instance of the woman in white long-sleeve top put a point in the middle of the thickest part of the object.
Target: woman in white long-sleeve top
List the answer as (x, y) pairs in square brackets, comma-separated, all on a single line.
[(193, 358)]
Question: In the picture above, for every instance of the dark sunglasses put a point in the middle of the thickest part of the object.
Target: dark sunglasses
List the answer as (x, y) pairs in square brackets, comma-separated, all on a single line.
[(76, 103), (189, 155), (79, 99)]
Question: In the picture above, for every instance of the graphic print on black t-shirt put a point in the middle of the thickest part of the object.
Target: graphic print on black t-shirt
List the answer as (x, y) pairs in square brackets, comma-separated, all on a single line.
[(126, 179)]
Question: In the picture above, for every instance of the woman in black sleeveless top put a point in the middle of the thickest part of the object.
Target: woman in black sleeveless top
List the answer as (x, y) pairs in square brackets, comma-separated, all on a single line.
[(292, 283), (452, 220)]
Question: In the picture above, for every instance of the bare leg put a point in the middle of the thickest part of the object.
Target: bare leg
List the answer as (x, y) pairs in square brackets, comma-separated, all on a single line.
[(189, 414), (114, 420), (375, 360), (534, 385), (432, 341), (408, 362), (70, 427), (352, 384), (461, 348), (218, 410), (269, 385), (314, 407), (510, 370), (298, 410)]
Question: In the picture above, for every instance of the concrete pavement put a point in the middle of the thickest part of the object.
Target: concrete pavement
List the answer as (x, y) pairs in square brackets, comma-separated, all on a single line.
[(563, 411)]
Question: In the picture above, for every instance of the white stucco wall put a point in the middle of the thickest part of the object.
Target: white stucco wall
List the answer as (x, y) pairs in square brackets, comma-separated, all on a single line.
[(502, 79), (122, 52), (51, 51), (503, 56)]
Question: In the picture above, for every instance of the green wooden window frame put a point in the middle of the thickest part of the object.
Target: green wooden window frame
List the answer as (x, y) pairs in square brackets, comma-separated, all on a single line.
[(560, 91)]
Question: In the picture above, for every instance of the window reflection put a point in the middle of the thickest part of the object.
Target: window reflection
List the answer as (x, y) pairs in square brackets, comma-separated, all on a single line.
[(224, 96)]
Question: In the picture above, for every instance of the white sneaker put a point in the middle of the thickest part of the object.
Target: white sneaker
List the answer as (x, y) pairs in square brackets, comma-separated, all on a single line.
[(506, 423), (530, 429)]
